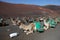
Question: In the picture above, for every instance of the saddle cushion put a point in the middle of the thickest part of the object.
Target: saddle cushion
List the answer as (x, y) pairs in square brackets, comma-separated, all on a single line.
[(52, 23), (38, 26)]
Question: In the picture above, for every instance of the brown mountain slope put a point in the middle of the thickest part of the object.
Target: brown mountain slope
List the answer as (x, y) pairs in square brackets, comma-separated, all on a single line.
[(54, 8), (13, 10)]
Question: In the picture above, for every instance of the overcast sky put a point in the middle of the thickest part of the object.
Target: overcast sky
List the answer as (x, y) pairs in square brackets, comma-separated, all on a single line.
[(35, 2)]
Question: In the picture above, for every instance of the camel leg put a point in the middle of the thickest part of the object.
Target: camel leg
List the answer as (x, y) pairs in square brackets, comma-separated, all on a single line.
[(25, 31), (29, 32), (46, 28)]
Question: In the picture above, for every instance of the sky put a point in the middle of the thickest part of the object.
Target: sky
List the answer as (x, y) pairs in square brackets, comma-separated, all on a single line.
[(34, 2)]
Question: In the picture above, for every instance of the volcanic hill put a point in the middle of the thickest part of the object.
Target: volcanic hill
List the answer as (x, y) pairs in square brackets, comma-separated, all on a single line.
[(14, 10)]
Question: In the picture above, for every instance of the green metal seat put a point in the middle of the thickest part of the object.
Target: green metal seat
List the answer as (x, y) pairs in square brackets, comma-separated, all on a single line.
[(52, 22), (38, 26)]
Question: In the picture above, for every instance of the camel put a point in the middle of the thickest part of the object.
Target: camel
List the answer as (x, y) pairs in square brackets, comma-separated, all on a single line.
[(27, 28), (46, 24), (49, 22), (46, 27), (15, 21), (57, 20)]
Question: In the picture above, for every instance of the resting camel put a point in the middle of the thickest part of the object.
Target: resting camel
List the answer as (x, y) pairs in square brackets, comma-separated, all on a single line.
[(46, 24), (27, 28), (49, 22), (57, 19), (15, 21)]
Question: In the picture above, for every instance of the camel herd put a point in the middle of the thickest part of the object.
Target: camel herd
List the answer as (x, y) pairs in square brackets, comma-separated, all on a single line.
[(31, 25)]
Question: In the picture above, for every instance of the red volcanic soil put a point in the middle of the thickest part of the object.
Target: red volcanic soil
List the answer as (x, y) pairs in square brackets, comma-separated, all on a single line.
[(14, 10)]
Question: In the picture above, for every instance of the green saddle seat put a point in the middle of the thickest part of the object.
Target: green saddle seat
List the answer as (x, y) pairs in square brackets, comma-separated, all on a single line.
[(38, 26), (52, 23)]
